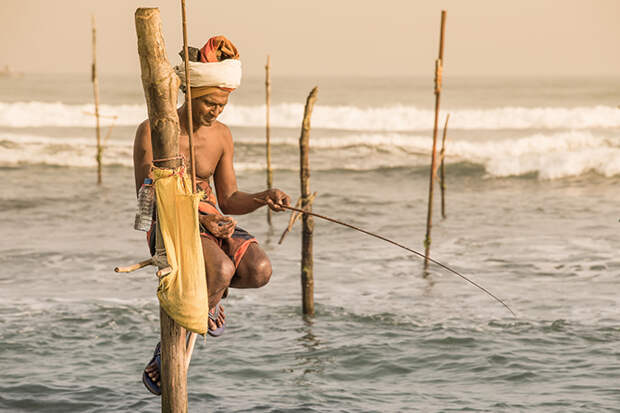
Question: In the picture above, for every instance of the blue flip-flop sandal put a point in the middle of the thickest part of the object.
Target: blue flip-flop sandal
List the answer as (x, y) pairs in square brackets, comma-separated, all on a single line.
[(151, 385), (219, 330)]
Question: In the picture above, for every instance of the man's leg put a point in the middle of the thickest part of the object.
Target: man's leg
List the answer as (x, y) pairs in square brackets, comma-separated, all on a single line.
[(220, 270), (254, 269)]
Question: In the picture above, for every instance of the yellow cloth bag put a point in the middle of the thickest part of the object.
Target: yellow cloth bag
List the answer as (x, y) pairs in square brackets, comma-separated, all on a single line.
[(183, 292)]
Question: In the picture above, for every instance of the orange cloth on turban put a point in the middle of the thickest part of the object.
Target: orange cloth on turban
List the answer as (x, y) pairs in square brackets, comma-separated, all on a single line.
[(216, 49)]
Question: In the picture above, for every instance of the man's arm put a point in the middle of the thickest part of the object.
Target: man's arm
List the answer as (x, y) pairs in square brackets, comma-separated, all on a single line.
[(142, 153), (230, 199)]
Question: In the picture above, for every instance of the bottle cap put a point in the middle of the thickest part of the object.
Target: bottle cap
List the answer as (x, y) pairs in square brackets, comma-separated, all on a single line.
[(148, 181)]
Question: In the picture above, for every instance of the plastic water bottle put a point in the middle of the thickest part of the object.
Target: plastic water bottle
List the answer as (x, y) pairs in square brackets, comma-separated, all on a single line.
[(146, 202)]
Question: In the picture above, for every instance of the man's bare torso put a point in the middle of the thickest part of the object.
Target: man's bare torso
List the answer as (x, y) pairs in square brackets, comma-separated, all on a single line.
[(210, 145)]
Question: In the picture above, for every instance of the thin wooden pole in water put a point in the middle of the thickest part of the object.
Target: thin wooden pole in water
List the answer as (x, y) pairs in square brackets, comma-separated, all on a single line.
[(95, 81), (438, 73), (268, 129), (188, 100), (294, 216), (442, 178), (192, 158), (160, 88), (307, 263)]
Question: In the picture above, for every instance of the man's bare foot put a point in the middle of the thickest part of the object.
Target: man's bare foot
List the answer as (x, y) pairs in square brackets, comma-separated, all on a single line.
[(153, 371), (151, 376), (215, 324)]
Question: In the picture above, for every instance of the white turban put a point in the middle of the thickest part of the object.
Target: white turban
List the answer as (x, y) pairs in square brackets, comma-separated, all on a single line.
[(225, 74)]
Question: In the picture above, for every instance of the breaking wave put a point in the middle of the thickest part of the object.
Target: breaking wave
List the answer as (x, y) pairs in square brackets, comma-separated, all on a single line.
[(549, 156), (394, 118)]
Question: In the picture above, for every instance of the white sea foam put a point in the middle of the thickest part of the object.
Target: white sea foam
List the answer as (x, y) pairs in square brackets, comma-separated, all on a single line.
[(18, 150), (80, 152), (551, 156), (394, 118), (38, 114)]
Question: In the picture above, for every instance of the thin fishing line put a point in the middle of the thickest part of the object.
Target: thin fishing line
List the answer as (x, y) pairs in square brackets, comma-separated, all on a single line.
[(401, 246)]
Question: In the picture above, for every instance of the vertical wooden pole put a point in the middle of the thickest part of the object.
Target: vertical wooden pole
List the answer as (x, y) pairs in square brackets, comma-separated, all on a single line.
[(190, 135), (188, 100), (95, 81), (442, 178), (307, 264), (438, 70), (268, 129), (160, 89)]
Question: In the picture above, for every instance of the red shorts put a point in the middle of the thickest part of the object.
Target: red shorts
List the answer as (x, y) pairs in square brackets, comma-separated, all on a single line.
[(234, 247)]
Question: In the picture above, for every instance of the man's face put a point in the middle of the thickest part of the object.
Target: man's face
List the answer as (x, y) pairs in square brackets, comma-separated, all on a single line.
[(208, 107)]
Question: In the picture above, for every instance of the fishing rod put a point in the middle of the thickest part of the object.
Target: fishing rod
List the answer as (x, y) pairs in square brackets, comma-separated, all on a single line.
[(335, 221)]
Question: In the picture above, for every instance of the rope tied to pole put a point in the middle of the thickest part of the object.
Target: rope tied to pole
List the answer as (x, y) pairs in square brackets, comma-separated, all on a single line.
[(171, 158)]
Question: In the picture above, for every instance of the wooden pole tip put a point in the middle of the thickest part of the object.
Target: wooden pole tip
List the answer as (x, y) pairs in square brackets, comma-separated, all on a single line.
[(146, 12)]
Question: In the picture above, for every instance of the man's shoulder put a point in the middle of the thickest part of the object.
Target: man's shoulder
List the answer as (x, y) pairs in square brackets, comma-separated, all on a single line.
[(144, 126), (222, 131), (221, 127), (143, 134)]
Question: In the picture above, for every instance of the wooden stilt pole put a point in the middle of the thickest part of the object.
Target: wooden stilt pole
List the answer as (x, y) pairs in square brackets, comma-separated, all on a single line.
[(190, 135), (442, 178), (188, 99), (268, 129), (307, 264), (438, 70), (95, 81), (160, 88)]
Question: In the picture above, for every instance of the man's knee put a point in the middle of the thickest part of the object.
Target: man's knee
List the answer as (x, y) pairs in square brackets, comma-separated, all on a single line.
[(223, 271), (262, 272)]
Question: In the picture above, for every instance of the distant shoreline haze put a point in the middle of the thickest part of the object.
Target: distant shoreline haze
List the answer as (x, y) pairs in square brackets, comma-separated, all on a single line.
[(345, 38)]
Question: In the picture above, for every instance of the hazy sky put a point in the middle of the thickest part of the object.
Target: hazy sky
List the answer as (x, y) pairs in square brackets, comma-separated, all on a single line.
[(323, 37)]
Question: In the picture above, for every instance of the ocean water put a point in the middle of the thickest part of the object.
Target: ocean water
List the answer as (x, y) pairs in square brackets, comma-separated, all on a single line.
[(533, 170)]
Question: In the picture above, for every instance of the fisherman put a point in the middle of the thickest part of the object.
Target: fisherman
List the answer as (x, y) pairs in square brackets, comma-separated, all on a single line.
[(232, 256)]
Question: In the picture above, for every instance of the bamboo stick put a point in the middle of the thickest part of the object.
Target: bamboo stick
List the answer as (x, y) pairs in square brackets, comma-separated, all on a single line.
[(190, 133), (294, 216), (134, 267), (307, 264), (95, 82), (188, 100), (442, 178), (189, 348), (162, 272), (107, 136), (291, 221), (160, 88), (268, 129), (438, 74)]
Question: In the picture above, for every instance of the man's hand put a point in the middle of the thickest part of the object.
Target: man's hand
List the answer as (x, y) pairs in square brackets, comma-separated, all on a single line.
[(274, 198), (218, 225)]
